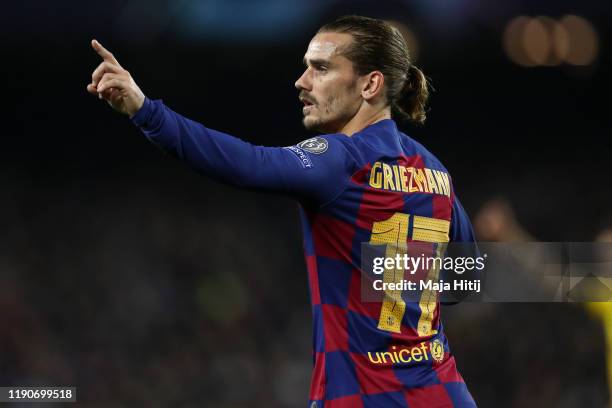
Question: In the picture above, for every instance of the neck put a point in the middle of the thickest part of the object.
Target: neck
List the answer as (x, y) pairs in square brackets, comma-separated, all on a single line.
[(365, 117)]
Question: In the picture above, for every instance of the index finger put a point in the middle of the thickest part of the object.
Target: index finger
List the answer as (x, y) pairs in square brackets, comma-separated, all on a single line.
[(104, 53)]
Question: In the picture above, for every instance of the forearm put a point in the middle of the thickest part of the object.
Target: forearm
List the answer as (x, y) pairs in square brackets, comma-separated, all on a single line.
[(214, 153)]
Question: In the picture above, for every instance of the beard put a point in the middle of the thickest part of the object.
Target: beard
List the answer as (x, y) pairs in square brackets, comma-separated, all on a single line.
[(312, 123), (333, 113), (327, 117)]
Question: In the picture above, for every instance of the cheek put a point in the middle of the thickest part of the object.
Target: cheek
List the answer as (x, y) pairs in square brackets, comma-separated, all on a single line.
[(335, 93), (330, 104), (341, 99)]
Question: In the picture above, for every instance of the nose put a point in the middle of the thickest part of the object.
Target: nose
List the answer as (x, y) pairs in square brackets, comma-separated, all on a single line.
[(303, 82)]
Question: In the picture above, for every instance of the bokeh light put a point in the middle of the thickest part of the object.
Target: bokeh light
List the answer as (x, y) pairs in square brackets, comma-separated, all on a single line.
[(512, 41), (544, 41), (583, 40), (536, 41)]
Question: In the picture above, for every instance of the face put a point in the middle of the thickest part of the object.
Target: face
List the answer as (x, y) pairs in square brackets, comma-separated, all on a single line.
[(328, 87)]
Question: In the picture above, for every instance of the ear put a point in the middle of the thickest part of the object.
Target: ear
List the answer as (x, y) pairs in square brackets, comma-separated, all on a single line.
[(372, 85)]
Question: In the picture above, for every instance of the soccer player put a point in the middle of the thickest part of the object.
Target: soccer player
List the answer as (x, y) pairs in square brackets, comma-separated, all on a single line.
[(361, 181)]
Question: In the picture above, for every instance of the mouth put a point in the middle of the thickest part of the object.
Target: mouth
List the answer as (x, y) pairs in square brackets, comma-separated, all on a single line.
[(307, 105)]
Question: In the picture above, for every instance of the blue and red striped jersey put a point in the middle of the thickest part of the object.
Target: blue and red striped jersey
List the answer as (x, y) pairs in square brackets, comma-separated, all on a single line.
[(378, 186)]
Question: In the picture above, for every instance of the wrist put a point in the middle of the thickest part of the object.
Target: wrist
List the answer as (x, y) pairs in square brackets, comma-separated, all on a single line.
[(137, 107), (142, 115)]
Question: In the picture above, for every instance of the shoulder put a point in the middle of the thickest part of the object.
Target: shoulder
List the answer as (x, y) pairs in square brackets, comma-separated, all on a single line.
[(330, 146), (383, 138), (329, 157), (430, 160), (315, 145)]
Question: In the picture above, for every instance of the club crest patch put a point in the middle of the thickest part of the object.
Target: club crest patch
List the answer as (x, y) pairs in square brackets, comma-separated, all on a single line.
[(316, 145), (437, 350)]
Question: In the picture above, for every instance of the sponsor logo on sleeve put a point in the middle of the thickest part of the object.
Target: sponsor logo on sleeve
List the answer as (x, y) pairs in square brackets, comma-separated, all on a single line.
[(316, 145)]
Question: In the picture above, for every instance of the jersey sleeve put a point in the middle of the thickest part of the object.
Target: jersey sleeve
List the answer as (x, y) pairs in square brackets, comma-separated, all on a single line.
[(316, 169)]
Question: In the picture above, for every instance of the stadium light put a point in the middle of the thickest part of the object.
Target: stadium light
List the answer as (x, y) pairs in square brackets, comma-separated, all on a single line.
[(583, 40), (544, 41)]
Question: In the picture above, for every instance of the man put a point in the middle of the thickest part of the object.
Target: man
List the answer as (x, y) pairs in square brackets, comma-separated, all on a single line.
[(363, 181)]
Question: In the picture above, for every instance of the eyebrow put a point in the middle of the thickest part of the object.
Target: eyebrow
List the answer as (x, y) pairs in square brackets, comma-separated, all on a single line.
[(317, 61)]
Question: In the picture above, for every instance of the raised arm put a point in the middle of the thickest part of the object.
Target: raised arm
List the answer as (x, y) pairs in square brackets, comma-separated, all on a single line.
[(316, 170)]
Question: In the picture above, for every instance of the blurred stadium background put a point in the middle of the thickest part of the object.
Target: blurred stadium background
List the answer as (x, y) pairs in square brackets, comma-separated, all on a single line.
[(144, 284)]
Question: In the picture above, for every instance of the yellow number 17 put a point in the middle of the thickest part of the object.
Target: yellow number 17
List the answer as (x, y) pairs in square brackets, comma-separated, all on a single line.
[(394, 231)]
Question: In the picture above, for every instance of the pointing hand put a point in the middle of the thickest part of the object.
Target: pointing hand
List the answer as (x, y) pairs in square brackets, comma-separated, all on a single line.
[(114, 84)]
